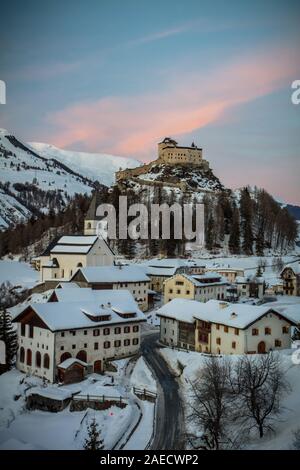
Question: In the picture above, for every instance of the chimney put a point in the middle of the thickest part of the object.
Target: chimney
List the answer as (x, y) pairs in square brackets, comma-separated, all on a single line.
[(233, 315), (102, 305), (109, 304)]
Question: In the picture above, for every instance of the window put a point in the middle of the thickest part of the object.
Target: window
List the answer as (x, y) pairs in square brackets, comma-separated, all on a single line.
[(226, 329), (267, 331), (218, 327), (170, 291), (127, 329), (236, 331), (106, 344), (126, 342), (30, 331), (277, 343), (85, 332), (233, 345), (22, 354), (117, 343), (187, 292), (255, 332), (28, 357), (285, 329), (178, 291), (85, 345), (117, 330), (62, 348), (73, 333), (96, 332), (96, 346), (73, 346), (62, 334), (136, 341), (38, 359), (106, 331), (46, 361), (218, 341), (135, 328), (23, 329)]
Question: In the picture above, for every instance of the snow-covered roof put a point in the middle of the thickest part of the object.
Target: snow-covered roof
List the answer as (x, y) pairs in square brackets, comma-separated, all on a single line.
[(67, 285), (71, 315), (249, 278), (70, 361), (55, 393), (109, 274), (234, 315), (80, 240), (198, 279), (294, 266), (122, 299)]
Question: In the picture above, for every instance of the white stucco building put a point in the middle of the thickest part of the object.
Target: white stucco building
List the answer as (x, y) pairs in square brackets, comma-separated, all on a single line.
[(64, 256), (94, 332)]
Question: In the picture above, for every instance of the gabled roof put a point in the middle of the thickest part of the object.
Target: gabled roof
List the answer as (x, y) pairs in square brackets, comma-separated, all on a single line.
[(235, 315), (110, 274), (71, 315), (295, 266)]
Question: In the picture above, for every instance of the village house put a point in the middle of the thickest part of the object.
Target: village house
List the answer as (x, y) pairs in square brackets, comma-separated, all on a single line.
[(201, 287), (230, 273), (250, 286), (291, 279), (159, 270), (63, 340), (223, 328), (131, 278), (64, 256)]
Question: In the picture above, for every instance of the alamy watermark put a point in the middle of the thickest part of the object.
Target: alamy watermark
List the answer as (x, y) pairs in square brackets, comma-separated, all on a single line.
[(151, 221), (2, 92), (295, 97)]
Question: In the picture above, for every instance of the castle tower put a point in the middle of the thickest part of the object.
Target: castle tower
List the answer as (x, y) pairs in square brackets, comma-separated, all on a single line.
[(171, 153)]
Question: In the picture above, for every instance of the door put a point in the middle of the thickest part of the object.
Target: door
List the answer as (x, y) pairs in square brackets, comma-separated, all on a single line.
[(97, 367), (261, 347)]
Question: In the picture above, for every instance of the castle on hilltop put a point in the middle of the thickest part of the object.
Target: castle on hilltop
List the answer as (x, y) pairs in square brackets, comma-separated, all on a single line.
[(170, 153)]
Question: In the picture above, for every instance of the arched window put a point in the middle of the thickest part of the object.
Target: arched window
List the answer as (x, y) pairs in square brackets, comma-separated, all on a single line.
[(28, 357), (22, 354), (79, 265), (46, 361), (38, 359), (65, 356), (89, 225), (81, 355)]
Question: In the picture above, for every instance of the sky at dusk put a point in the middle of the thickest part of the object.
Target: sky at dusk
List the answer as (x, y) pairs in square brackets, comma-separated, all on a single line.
[(116, 77)]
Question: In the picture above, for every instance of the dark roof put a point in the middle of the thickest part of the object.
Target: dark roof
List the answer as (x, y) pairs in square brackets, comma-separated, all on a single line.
[(181, 147), (95, 202)]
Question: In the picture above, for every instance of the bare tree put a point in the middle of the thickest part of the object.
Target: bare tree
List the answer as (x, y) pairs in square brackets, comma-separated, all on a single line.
[(259, 385), (211, 409)]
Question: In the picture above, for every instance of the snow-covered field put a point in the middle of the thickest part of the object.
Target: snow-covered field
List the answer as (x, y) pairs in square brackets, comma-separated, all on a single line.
[(289, 421), (18, 273), (25, 429)]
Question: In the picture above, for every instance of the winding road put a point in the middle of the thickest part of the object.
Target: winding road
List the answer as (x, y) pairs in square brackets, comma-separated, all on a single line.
[(169, 414)]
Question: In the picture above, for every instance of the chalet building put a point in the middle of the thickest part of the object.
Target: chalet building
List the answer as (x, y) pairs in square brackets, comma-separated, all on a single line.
[(222, 328), (66, 340), (159, 270), (202, 287), (64, 256), (229, 273), (291, 279), (250, 286), (131, 278)]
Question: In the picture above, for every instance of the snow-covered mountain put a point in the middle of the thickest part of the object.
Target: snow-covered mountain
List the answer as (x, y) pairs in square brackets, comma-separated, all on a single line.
[(37, 177), (97, 166)]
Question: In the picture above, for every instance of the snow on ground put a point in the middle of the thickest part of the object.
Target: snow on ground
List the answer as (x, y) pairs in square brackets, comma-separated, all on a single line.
[(33, 429), (142, 376), (192, 362), (18, 273)]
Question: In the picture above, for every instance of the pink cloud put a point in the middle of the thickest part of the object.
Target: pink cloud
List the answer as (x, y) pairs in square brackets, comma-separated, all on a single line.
[(132, 125)]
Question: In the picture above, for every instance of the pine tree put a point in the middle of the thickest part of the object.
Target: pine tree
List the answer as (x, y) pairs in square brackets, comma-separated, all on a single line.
[(9, 336), (93, 441), (234, 239), (246, 209), (259, 271)]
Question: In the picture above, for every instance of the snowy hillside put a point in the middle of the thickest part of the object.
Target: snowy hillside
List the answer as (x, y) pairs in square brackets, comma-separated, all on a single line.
[(38, 177), (97, 166)]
